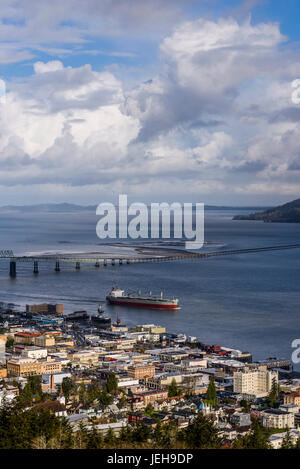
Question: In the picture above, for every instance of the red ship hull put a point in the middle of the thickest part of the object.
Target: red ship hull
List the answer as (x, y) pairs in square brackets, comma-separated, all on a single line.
[(144, 305)]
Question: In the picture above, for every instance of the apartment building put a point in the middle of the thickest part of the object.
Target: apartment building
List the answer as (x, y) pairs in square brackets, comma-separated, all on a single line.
[(256, 383), (275, 418)]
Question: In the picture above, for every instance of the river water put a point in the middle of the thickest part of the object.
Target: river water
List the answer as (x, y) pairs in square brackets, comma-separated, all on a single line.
[(247, 301)]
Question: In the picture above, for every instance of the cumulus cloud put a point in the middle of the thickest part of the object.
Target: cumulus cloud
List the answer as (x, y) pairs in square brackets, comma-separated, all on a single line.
[(63, 125), (217, 118), (27, 28), (230, 73)]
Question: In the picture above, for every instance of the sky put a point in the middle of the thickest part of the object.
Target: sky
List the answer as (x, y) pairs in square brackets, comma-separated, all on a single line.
[(162, 100)]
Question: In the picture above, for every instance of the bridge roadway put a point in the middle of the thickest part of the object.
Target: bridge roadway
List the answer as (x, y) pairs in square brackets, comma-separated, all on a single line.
[(100, 259)]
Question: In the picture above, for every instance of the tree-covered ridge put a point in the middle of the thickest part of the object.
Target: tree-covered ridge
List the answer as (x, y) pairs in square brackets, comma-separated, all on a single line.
[(287, 213)]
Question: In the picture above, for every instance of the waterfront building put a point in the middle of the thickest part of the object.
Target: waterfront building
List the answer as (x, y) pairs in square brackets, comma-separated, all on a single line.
[(256, 383), (45, 308)]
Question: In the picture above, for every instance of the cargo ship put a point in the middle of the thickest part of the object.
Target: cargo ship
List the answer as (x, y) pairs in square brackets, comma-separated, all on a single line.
[(118, 297), (104, 322)]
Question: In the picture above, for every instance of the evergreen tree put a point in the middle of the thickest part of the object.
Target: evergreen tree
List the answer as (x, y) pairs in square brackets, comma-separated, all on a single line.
[(211, 393), (94, 440), (166, 435), (158, 433), (82, 393), (287, 442), (105, 398), (68, 387), (202, 434), (256, 439), (126, 434), (19, 428), (245, 405), (35, 383), (149, 409), (173, 389), (273, 396), (141, 432), (110, 438), (112, 383), (80, 438), (26, 396), (93, 392), (297, 445)]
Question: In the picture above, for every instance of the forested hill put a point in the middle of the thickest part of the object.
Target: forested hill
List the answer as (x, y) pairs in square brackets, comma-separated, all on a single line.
[(287, 213)]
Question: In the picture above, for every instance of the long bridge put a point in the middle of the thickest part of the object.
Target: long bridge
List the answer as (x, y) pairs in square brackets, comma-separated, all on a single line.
[(99, 259)]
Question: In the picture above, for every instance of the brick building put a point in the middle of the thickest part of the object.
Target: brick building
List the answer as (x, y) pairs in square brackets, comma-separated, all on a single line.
[(140, 371), (29, 367)]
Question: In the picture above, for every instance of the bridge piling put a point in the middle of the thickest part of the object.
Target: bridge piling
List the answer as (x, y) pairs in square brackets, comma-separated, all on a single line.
[(77, 267), (35, 267), (57, 267), (13, 269)]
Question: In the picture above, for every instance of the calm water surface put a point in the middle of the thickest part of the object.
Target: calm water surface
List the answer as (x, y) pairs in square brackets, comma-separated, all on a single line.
[(250, 301)]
